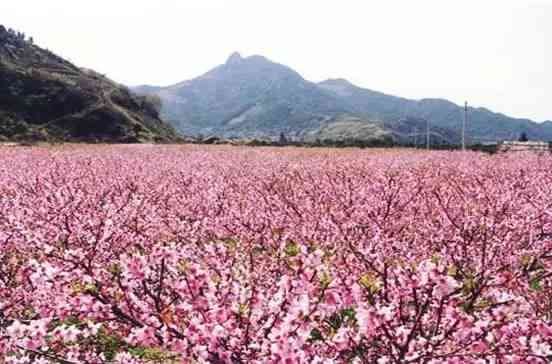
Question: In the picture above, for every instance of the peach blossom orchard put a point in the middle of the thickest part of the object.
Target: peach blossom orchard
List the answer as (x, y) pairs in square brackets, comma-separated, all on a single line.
[(188, 254)]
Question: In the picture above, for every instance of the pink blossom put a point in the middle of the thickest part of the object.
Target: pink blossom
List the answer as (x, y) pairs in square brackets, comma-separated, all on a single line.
[(220, 254)]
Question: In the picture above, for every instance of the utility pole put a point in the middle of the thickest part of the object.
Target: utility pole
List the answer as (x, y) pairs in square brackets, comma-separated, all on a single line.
[(427, 134), (464, 125)]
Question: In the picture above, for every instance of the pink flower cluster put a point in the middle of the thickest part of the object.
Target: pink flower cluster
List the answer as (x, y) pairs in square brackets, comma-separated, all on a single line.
[(189, 254)]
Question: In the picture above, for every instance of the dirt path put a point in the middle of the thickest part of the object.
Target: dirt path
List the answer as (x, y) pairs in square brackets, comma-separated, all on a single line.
[(104, 100), (80, 114)]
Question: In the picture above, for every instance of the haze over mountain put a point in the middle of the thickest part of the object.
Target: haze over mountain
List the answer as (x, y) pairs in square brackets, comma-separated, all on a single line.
[(248, 97), (254, 97), (45, 97)]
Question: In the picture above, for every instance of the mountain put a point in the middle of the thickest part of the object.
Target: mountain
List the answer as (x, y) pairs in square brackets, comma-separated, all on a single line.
[(45, 97), (249, 97), (483, 124), (254, 97)]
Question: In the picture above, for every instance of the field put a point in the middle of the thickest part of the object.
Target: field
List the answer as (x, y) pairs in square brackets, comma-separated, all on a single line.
[(197, 254)]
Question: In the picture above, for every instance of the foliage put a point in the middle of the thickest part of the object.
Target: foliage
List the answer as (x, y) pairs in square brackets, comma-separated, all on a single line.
[(46, 97), (152, 104), (195, 254)]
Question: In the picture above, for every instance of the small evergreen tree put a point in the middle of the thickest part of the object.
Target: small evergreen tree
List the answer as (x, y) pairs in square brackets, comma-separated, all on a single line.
[(523, 137), (283, 139)]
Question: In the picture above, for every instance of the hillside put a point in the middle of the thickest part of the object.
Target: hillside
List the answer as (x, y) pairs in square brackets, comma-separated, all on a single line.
[(249, 97), (254, 97), (45, 97), (483, 125)]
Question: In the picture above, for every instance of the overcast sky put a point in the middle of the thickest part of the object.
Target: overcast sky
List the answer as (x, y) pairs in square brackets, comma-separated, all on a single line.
[(494, 53)]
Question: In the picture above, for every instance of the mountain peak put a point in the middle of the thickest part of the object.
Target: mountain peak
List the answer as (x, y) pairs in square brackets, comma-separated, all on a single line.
[(234, 58), (338, 82), (339, 86)]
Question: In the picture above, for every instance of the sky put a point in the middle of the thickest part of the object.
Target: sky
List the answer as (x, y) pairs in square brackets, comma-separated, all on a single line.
[(493, 53)]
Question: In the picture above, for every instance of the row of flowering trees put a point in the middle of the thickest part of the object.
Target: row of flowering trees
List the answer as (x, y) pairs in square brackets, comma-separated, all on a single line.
[(235, 255)]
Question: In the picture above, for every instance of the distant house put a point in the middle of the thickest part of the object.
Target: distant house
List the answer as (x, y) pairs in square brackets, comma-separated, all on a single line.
[(517, 146)]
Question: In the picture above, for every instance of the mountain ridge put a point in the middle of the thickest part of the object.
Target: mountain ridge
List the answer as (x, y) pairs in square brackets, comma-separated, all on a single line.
[(441, 112), (255, 97), (246, 97)]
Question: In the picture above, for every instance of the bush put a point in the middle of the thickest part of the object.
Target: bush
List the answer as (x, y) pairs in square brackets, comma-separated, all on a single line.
[(152, 104)]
